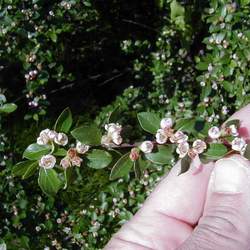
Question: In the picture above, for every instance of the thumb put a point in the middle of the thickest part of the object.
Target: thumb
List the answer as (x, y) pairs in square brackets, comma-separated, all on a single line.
[(225, 223)]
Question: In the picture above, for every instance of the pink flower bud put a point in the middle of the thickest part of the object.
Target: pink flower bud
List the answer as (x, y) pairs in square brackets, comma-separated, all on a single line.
[(161, 137), (238, 144), (65, 163), (61, 139), (182, 149), (76, 161), (214, 132), (47, 161), (166, 123), (199, 146), (134, 154), (146, 147), (178, 137), (81, 148)]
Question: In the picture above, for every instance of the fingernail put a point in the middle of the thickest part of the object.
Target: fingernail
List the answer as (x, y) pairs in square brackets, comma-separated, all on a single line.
[(229, 176)]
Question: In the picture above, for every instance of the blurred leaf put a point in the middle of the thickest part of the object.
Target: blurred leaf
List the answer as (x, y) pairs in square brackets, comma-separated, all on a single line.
[(150, 122), (187, 124), (247, 152), (48, 181), (8, 108), (60, 152), (235, 122), (163, 155), (64, 121), (137, 169), (25, 169), (185, 164), (35, 151), (98, 159), (115, 115), (215, 151), (90, 135), (122, 167)]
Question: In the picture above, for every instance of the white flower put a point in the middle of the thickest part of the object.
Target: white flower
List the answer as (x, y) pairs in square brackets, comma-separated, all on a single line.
[(233, 130), (81, 148), (179, 137), (166, 123), (238, 144), (65, 162), (182, 149), (214, 132), (199, 146), (106, 140), (52, 134), (146, 147), (61, 139), (76, 161), (113, 127), (113, 135), (43, 138), (117, 140), (161, 137), (47, 161)]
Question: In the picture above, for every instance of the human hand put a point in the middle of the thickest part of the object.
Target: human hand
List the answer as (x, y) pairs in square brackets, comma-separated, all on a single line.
[(205, 210)]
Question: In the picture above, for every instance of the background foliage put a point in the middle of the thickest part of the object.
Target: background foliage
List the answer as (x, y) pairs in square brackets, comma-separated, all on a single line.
[(184, 58)]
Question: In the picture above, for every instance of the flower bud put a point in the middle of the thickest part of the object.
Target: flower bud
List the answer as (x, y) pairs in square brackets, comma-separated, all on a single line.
[(182, 149), (233, 130), (47, 161), (61, 139), (146, 147), (178, 137), (52, 135), (199, 146), (71, 153), (134, 154), (43, 138), (238, 144), (76, 161), (214, 132), (166, 123), (65, 163), (161, 137), (81, 148)]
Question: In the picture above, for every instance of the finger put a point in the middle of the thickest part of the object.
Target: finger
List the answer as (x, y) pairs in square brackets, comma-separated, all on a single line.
[(168, 215), (225, 223)]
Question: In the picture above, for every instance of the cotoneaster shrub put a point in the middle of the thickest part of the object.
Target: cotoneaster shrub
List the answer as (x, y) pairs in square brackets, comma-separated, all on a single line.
[(87, 213)]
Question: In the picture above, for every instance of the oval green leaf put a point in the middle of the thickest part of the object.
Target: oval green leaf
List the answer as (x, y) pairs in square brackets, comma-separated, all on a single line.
[(25, 169), (122, 167), (49, 182), (215, 151), (64, 121), (163, 155), (8, 108), (35, 151), (98, 159), (187, 124), (89, 135), (149, 121)]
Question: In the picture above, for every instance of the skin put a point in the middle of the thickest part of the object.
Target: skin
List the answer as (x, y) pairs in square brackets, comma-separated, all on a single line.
[(204, 209)]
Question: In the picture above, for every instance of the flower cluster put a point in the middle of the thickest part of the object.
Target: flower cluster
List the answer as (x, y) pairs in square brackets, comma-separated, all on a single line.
[(113, 134), (49, 136)]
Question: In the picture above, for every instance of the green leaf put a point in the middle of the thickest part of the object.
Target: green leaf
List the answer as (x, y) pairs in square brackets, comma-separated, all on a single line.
[(137, 169), (215, 151), (98, 159), (69, 175), (25, 169), (235, 122), (150, 122), (122, 167), (176, 10), (89, 135), (163, 155), (60, 152), (187, 124), (64, 121), (114, 115), (247, 152), (48, 181), (185, 164), (35, 151), (8, 108)]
